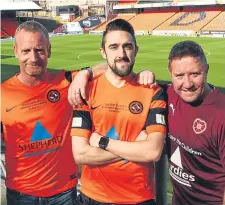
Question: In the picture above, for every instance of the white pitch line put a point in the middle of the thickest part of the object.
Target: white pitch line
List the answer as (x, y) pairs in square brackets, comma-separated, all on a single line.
[(79, 64), (156, 51), (89, 62), (79, 56), (207, 52)]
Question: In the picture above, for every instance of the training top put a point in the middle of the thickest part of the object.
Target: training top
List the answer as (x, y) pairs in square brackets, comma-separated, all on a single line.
[(121, 114), (197, 149), (36, 123)]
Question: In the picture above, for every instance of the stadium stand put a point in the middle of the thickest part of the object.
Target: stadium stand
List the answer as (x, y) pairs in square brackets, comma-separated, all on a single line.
[(49, 22), (91, 22), (126, 17), (184, 1), (128, 3), (3, 34), (216, 24), (8, 26), (60, 29), (149, 21), (189, 20)]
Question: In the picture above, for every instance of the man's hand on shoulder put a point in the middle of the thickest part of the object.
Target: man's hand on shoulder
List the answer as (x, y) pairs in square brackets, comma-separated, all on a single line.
[(146, 77), (78, 88)]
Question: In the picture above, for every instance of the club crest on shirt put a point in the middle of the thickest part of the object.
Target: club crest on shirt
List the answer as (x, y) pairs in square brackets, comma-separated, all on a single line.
[(53, 96), (135, 107), (199, 126)]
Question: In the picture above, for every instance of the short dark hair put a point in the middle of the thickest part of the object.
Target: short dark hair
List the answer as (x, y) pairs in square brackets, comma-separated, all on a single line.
[(118, 25), (187, 48)]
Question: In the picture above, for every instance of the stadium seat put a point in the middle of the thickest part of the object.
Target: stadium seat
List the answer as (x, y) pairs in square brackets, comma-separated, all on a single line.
[(148, 21), (216, 24), (9, 26), (3, 34), (60, 29), (126, 17), (189, 20)]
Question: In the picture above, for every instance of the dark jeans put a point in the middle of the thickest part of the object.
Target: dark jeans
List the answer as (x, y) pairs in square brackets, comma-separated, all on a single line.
[(84, 200), (65, 198)]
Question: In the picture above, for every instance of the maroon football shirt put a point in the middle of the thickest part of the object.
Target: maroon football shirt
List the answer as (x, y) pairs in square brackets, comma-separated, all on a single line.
[(197, 149)]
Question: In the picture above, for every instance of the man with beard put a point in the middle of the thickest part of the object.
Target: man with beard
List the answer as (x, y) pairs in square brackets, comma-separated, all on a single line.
[(109, 132)]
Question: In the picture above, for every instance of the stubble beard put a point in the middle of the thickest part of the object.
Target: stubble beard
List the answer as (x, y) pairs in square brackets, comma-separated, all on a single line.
[(119, 72)]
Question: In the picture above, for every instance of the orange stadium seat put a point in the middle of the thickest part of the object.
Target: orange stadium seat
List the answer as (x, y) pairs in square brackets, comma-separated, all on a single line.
[(216, 24), (189, 20), (126, 17), (148, 21)]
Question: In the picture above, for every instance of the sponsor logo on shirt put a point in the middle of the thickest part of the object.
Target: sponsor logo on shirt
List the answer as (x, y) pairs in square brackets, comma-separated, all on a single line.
[(176, 170), (9, 109), (112, 134), (95, 107), (172, 107), (186, 147), (33, 104), (199, 126), (29, 105), (114, 107), (41, 142)]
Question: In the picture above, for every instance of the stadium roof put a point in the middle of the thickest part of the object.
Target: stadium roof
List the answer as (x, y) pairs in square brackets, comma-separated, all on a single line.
[(19, 6)]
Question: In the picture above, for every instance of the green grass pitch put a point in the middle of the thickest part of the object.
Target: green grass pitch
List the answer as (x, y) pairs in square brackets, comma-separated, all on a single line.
[(76, 51)]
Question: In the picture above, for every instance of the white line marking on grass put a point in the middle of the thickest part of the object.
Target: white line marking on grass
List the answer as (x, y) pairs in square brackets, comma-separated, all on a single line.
[(79, 56), (80, 64), (97, 61), (152, 61), (207, 52), (156, 51), (77, 65)]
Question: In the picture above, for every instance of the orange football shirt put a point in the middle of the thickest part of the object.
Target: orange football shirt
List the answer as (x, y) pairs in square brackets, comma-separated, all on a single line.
[(121, 114), (36, 125)]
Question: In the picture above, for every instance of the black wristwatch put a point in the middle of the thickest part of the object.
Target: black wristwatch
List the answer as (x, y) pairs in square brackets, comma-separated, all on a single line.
[(89, 69), (103, 142)]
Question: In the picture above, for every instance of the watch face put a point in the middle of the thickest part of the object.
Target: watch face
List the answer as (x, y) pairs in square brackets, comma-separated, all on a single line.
[(103, 142)]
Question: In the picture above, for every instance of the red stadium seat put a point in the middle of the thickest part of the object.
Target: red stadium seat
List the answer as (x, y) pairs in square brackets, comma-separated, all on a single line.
[(9, 26)]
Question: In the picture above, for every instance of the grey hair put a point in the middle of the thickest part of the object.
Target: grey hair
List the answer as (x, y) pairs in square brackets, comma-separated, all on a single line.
[(32, 26)]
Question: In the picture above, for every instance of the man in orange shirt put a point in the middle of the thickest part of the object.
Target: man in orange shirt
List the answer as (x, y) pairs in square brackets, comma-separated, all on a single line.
[(36, 124), (121, 129)]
